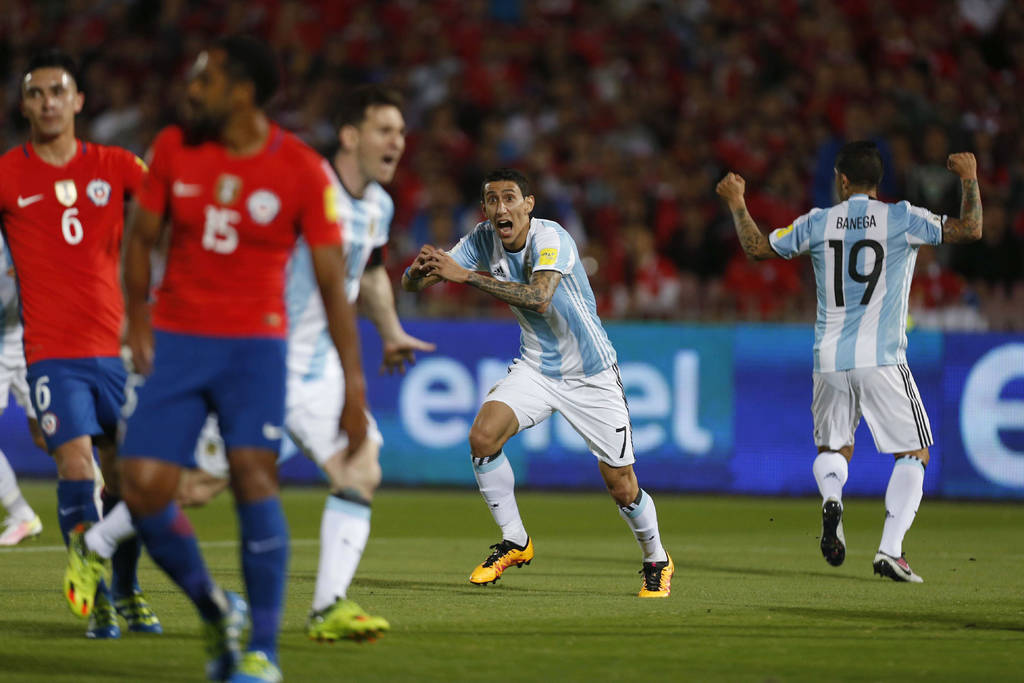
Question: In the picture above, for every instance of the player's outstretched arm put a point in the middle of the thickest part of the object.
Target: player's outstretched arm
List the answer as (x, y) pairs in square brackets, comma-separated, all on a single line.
[(754, 243), (534, 296), (415, 277), (378, 303), (143, 234), (967, 228), (329, 267)]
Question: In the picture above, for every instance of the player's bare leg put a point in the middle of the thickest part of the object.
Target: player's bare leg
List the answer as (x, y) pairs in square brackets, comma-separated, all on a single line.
[(830, 472), (637, 508), (344, 531), (198, 487), (495, 424), (902, 498)]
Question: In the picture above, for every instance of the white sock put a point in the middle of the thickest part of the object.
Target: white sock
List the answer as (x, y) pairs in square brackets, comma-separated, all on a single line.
[(10, 495), (902, 498), (830, 471), (642, 518), (497, 485), (104, 536), (344, 530)]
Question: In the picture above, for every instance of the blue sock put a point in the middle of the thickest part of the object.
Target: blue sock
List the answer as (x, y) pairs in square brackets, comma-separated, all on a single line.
[(264, 564), (75, 504), (125, 560), (171, 542)]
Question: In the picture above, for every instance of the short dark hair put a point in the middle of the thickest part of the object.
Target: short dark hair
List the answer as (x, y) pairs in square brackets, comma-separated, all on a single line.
[(354, 103), (250, 59), (512, 174), (52, 58), (861, 163)]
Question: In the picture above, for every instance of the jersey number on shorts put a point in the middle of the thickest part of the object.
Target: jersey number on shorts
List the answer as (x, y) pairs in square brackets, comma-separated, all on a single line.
[(219, 234), (625, 435), (870, 278), (42, 393), (71, 227)]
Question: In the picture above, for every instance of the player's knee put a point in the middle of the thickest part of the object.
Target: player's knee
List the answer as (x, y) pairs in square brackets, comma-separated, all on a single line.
[(74, 464), (253, 478), (484, 439), (920, 454), (621, 484)]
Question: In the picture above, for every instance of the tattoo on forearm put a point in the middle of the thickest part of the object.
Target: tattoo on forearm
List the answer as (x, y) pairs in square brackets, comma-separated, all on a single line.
[(968, 226), (530, 296), (752, 240)]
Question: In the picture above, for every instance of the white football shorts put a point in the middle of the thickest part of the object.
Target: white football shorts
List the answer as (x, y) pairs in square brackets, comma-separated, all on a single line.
[(595, 406), (12, 379), (886, 396), (312, 409)]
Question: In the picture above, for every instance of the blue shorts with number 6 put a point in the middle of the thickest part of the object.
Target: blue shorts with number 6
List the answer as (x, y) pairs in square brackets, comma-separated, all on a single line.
[(241, 379), (76, 397)]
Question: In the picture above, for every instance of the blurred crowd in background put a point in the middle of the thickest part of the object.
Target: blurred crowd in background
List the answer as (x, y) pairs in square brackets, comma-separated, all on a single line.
[(625, 113)]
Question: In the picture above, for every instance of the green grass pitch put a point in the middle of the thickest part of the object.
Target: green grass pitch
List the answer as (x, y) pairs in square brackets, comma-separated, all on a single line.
[(752, 598)]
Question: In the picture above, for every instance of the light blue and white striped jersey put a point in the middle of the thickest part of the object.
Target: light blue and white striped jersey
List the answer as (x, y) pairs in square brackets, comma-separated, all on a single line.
[(863, 252), (10, 313), (366, 223), (567, 340)]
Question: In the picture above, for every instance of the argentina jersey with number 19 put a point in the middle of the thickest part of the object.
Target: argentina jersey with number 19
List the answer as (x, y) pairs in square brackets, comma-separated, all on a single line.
[(567, 340), (863, 252), (366, 224)]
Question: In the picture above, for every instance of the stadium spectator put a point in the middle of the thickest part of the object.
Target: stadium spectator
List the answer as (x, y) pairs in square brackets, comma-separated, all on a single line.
[(718, 80)]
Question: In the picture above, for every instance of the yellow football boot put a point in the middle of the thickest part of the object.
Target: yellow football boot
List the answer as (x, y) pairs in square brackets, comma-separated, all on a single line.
[(657, 581), (504, 555)]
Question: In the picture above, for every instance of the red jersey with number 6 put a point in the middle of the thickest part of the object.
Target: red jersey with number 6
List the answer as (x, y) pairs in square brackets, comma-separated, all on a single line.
[(63, 226), (234, 222)]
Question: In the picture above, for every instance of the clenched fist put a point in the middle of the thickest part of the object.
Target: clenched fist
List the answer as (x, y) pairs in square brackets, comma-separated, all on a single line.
[(963, 164)]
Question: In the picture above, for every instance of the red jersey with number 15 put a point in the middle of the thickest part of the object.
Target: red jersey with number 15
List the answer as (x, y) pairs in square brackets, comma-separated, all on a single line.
[(63, 226), (234, 222)]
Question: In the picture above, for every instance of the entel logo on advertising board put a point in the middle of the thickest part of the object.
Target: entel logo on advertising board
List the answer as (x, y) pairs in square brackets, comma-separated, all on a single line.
[(439, 397), (983, 414)]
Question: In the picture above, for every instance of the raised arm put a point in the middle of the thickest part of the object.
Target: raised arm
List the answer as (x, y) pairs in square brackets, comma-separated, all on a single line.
[(377, 301), (754, 242), (143, 235), (329, 267), (534, 296), (967, 228)]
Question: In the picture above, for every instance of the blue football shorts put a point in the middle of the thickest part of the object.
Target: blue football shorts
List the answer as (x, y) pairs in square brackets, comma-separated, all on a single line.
[(240, 379), (76, 397)]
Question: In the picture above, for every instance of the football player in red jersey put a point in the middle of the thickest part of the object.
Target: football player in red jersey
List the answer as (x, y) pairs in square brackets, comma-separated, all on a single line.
[(62, 207), (238, 190)]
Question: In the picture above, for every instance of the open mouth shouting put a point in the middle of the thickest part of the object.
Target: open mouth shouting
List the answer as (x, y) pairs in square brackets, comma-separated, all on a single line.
[(504, 227)]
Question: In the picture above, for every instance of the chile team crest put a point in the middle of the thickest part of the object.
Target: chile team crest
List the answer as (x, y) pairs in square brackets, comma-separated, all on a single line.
[(67, 193), (263, 206), (98, 191)]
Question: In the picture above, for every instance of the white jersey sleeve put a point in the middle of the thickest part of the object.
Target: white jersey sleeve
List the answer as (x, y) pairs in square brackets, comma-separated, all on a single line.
[(794, 239), (923, 226)]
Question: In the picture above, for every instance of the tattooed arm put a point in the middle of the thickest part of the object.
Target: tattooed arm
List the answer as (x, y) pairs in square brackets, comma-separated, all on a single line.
[(534, 296), (753, 241), (967, 228)]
